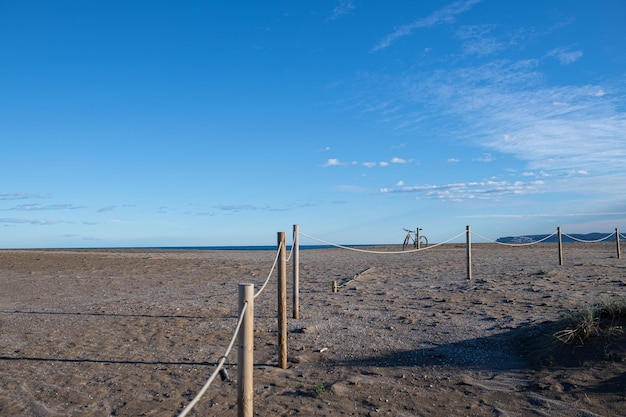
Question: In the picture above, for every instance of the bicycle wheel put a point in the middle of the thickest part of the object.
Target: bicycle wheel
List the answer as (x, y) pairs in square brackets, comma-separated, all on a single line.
[(407, 240), (423, 241)]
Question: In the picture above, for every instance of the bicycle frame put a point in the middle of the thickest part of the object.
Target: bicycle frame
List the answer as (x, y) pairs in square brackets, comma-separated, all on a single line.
[(414, 239)]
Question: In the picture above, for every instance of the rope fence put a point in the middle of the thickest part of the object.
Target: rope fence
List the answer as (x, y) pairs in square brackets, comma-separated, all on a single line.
[(468, 232), (218, 368), (244, 329), (381, 252), (267, 280), (589, 241), (244, 334), (515, 244)]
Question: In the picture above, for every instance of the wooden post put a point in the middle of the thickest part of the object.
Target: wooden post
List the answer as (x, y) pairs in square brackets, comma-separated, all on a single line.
[(417, 237), (617, 243), (468, 238), (296, 272), (334, 286), (282, 302), (560, 245), (245, 361)]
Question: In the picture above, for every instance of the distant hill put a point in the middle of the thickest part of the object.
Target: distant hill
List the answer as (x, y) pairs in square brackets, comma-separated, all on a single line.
[(537, 238)]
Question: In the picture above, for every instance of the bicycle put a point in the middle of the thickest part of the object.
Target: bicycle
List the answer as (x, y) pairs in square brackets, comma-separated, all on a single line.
[(412, 239)]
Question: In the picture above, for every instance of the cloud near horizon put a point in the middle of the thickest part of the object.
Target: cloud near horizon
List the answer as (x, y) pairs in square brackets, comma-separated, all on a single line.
[(334, 162), (39, 207), (21, 196), (42, 222), (471, 190)]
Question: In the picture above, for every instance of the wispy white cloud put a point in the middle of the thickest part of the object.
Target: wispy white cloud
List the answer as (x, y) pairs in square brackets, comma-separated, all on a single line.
[(40, 222), (586, 134), (40, 207), (351, 189), (21, 196), (344, 7), (535, 215), (565, 56), (246, 207), (506, 107), (445, 15), (486, 157), (539, 174), (239, 207), (333, 162), (580, 172), (115, 207), (496, 96), (471, 190), (477, 40)]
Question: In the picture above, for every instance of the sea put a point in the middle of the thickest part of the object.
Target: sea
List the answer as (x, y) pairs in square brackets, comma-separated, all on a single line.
[(241, 248)]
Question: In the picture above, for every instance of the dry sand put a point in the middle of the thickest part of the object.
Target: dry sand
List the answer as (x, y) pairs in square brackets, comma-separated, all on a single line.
[(137, 333)]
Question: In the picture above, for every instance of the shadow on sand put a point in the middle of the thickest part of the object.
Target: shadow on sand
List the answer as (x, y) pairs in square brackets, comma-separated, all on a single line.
[(527, 347), (499, 352)]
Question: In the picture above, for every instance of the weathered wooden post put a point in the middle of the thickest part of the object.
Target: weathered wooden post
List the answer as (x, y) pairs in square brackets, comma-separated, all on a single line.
[(619, 254), (417, 237), (468, 238), (560, 245), (296, 272), (245, 360), (334, 286), (282, 302)]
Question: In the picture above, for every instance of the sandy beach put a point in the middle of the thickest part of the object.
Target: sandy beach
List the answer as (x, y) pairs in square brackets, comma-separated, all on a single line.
[(138, 332)]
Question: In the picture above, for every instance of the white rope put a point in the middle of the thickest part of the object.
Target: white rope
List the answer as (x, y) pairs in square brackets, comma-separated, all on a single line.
[(379, 252), (271, 271), (442, 243), (513, 244), (352, 249), (220, 364), (589, 241), (293, 245)]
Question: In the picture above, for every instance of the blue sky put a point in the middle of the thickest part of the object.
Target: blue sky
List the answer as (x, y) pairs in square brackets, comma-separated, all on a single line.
[(158, 123)]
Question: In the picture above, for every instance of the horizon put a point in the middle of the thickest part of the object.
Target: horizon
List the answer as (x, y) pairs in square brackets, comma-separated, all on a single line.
[(202, 124), (477, 239)]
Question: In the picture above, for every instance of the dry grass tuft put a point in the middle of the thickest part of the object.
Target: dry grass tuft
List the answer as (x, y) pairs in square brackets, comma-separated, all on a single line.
[(603, 320)]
